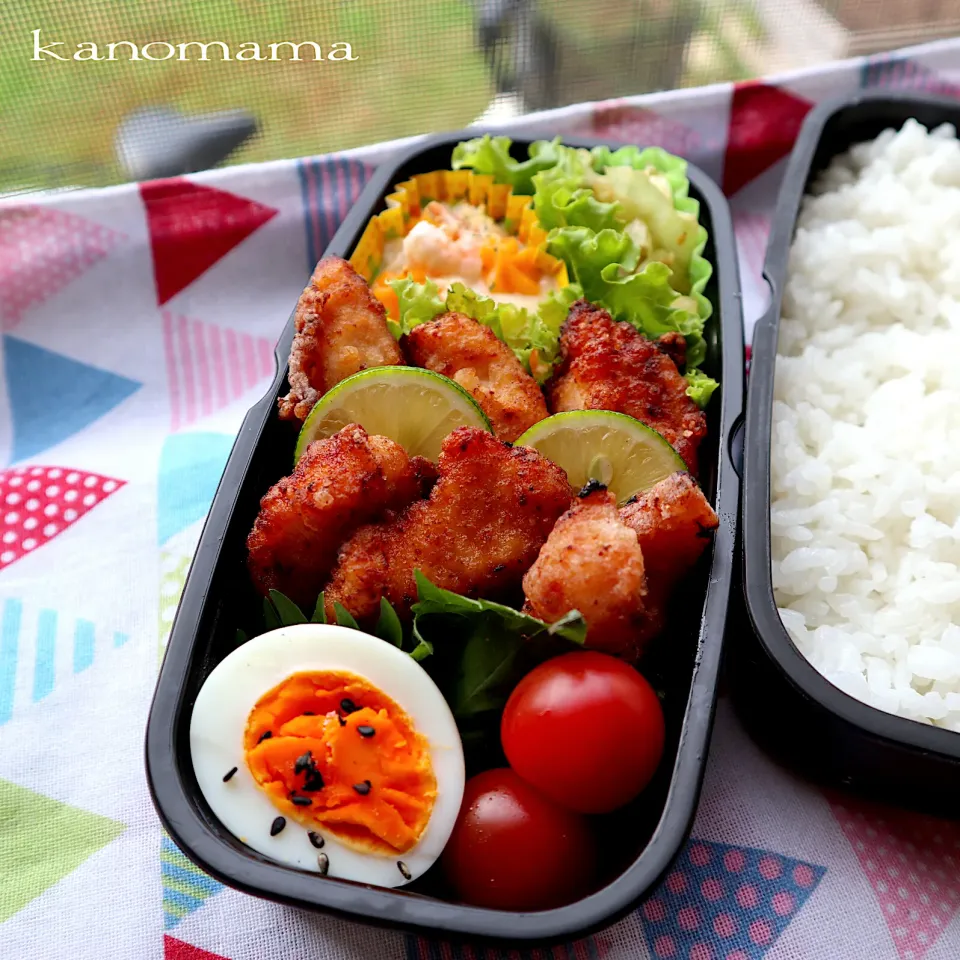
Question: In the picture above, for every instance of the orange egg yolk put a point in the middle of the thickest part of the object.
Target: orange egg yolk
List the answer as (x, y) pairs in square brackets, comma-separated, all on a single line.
[(336, 754)]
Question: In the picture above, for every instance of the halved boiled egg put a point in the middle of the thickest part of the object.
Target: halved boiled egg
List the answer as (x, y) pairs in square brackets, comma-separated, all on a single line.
[(329, 750)]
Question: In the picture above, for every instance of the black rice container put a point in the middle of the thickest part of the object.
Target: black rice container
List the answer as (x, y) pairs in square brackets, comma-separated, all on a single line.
[(639, 843), (788, 707)]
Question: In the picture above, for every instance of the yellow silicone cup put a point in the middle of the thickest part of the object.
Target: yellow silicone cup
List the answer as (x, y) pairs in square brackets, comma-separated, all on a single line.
[(405, 207)]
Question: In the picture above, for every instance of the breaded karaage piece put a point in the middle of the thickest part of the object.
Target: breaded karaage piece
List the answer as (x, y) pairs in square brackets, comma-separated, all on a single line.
[(341, 329), (339, 483), (674, 524), (611, 366), (592, 562), (488, 515), (472, 355)]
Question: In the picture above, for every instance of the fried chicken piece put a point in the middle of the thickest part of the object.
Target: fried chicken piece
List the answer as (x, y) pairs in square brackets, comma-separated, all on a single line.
[(341, 329), (611, 366), (339, 483), (472, 355), (674, 524), (488, 515), (592, 562)]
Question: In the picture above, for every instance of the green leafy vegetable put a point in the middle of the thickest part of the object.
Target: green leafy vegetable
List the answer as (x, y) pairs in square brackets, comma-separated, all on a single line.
[(435, 600), (388, 626), (344, 616), (419, 302), (319, 610), (491, 155), (270, 616), (287, 610), (498, 644), (700, 387), (241, 638)]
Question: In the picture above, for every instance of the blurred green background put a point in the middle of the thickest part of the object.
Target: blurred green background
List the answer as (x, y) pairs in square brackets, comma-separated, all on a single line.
[(421, 67)]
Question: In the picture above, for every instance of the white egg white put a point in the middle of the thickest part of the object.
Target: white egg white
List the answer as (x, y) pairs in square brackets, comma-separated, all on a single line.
[(239, 681)]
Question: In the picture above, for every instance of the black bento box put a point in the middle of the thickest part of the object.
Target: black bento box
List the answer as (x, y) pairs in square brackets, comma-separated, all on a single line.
[(786, 704), (218, 599)]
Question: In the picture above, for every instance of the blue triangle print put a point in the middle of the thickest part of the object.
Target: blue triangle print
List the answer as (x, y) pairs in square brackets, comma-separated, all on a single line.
[(84, 395), (191, 465), (726, 901), (185, 887)]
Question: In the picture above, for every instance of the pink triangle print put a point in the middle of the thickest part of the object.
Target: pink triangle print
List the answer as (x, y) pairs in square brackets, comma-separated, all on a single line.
[(192, 227), (41, 251), (752, 230), (630, 124), (39, 503), (911, 862), (210, 366)]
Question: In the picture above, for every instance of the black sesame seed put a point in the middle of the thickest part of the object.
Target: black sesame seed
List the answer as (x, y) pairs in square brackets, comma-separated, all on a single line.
[(229, 774), (591, 486), (266, 735), (277, 826), (313, 782), (362, 788), (348, 706), (323, 862), (366, 731), (303, 762), (300, 801), (404, 869), (499, 568), (308, 713), (342, 722), (316, 839)]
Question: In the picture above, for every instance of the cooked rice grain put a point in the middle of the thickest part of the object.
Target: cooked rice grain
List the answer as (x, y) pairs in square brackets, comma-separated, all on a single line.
[(865, 451)]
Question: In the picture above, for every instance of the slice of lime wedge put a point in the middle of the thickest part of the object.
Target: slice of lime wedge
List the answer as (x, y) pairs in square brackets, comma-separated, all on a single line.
[(624, 454), (416, 408)]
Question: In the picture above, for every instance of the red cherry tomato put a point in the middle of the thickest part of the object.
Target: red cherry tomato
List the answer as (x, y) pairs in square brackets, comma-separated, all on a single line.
[(513, 850), (586, 730)]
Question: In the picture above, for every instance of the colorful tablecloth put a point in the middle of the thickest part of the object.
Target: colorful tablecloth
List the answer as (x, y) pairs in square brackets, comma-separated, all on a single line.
[(138, 326)]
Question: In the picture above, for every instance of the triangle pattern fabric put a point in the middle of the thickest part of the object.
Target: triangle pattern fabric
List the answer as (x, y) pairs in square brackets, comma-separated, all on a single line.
[(44, 638), (764, 123), (902, 72), (191, 465), (911, 862), (84, 395), (28, 821), (422, 948), (38, 503), (328, 188), (630, 124), (726, 901), (192, 227), (752, 230), (41, 251), (210, 366), (174, 949), (185, 887), (173, 575)]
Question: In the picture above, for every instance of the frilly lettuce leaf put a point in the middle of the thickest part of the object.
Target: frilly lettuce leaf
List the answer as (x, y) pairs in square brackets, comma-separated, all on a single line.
[(700, 387), (560, 201), (419, 302), (533, 337), (491, 155)]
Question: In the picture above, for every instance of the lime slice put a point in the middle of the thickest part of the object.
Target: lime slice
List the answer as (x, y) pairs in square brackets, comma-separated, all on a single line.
[(416, 408), (622, 453)]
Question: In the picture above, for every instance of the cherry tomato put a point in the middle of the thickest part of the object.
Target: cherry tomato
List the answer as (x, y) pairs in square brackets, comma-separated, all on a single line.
[(586, 730), (511, 849)]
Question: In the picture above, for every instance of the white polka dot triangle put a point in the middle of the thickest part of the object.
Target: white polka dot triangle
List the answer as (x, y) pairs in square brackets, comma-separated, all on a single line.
[(37, 503)]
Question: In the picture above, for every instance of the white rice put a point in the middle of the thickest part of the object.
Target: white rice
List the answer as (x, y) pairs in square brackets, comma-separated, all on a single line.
[(865, 451)]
